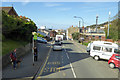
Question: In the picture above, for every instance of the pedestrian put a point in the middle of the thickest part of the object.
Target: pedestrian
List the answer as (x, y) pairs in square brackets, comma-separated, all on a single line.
[(13, 58), (35, 54)]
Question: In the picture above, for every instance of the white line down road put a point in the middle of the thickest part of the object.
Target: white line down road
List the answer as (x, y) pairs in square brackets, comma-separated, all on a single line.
[(71, 66)]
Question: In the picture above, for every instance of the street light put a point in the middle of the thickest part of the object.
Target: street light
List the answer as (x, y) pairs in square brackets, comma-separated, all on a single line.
[(108, 24), (79, 21)]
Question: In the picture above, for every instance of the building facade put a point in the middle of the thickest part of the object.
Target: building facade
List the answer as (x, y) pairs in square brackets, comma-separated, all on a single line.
[(70, 31)]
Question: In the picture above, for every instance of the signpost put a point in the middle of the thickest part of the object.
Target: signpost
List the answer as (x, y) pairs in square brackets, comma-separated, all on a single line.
[(34, 38)]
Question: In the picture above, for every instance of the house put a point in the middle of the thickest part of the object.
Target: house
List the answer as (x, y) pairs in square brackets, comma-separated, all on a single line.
[(53, 34), (72, 30), (10, 10)]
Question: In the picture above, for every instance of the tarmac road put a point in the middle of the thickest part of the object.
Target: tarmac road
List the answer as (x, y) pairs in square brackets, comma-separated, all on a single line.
[(74, 62)]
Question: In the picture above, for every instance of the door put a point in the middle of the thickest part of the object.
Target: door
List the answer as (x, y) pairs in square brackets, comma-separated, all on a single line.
[(106, 53)]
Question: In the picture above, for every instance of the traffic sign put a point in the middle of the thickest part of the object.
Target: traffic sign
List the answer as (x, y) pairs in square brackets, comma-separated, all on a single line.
[(35, 37)]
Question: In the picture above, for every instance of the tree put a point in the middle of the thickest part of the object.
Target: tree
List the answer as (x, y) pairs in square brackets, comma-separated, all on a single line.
[(75, 35)]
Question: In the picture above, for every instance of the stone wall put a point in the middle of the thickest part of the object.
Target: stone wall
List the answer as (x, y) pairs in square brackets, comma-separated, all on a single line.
[(20, 52)]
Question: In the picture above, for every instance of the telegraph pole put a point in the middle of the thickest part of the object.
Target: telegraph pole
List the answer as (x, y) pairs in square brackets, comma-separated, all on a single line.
[(96, 22), (79, 26), (108, 24)]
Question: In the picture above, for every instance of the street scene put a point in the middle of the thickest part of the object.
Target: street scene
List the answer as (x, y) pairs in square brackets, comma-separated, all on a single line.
[(60, 40)]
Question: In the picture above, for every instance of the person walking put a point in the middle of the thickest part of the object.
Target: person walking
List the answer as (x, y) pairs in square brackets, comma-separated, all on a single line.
[(35, 54), (14, 58)]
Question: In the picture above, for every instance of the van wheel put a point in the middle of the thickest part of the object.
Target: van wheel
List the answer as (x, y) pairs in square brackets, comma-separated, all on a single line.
[(96, 58), (112, 65)]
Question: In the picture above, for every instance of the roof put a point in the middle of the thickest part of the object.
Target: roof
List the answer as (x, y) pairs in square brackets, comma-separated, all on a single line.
[(105, 43), (7, 9)]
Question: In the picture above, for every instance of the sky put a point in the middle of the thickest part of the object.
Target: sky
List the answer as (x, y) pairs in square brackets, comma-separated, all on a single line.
[(60, 15)]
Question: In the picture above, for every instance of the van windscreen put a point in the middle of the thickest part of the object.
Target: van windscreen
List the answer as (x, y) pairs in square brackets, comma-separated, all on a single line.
[(96, 48)]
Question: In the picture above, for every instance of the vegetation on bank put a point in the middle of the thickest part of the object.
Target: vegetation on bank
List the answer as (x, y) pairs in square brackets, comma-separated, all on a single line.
[(10, 45), (86, 43), (114, 28), (16, 31), (17, 28)]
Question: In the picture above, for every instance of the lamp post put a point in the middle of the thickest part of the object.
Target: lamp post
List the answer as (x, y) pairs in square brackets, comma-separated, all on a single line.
[(79, 21), (79, 24), (108, 25)]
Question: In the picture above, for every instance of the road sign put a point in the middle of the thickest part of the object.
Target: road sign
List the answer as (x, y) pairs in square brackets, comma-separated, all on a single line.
[(35, 36)]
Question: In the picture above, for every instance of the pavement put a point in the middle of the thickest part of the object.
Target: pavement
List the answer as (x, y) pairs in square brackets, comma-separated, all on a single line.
[(26, 68)]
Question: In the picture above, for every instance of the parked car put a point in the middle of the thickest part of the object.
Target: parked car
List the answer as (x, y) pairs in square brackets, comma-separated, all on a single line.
[(57, 47), (58, 42), (41, 40), (114, 61), (81, 39), (102, 49)]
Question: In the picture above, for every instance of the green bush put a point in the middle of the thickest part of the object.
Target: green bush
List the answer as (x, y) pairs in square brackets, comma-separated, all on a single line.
[(40, 35), (17, 28), (75, 35)]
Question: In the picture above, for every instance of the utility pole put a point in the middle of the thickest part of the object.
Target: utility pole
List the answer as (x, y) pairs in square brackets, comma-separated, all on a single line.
[(33, 48), (79, 26), (96, 22), (108, 24)]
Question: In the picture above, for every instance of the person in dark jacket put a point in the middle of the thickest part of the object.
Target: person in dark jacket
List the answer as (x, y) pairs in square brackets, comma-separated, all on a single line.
[(14, 58), (35, 54)]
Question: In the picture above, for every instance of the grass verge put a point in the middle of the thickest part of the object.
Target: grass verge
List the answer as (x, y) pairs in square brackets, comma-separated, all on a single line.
[(86, 43), (9, 45)]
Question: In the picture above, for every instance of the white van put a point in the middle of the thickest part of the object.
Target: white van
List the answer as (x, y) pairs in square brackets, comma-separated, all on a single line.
[(88, 47), (102, 49)]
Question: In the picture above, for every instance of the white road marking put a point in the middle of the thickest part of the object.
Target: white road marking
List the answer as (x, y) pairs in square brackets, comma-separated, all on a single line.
[(67, 56), (73, 70), (71, 67)]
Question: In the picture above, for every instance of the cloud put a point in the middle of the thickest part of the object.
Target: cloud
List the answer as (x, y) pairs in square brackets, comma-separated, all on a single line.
[(101, 9), (64, 9), (25, 2), (52, 4)]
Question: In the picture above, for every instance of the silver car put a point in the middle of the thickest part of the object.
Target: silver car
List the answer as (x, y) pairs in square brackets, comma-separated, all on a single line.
[(57, 47)]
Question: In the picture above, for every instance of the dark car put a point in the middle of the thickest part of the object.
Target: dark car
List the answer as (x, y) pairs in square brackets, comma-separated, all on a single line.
[(58, 42), (41, 40)]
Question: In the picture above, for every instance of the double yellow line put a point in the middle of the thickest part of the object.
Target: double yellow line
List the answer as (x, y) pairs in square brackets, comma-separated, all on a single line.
[(44, 63)]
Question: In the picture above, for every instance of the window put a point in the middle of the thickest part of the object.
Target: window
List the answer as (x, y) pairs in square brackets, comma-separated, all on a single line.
[(118, 57), (96, 48), (93, 37), (116, 51), (107, 49), (99, 37)]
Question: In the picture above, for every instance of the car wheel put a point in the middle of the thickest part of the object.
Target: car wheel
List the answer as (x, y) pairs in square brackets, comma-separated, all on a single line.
[(112, 65), (96, 58)]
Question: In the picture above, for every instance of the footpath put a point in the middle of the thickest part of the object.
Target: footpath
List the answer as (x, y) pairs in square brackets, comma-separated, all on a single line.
[(26, 70)]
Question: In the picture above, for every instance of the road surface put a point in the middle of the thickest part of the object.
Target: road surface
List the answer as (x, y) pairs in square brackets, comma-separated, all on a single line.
[(74, 62)]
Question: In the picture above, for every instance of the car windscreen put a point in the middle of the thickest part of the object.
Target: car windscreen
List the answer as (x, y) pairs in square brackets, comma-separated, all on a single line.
[(39, 39), (57, 44), (117, 51)]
